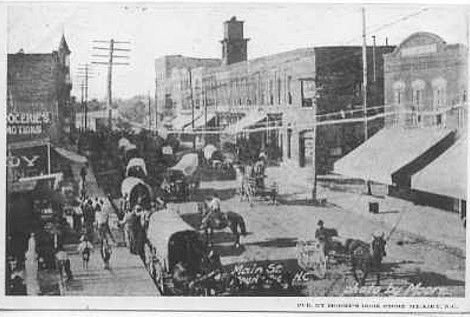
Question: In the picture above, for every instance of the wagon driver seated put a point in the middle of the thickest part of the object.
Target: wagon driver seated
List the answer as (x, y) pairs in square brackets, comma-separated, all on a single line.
[(325, 235), (214, 214)]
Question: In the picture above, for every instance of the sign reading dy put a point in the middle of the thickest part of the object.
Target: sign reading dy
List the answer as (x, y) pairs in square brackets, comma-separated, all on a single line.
[(27, 162)]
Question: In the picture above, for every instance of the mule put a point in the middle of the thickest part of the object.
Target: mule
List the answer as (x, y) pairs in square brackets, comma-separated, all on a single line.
[(230, 219), (366, 258)]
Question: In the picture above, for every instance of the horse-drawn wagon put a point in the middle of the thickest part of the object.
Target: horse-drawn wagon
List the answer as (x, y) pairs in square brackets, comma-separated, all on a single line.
[(181, 180), (137, 191), (320, 256), (174, 253)]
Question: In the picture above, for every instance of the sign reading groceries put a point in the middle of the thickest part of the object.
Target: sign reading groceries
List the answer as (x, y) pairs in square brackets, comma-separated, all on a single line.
[(21, 123)]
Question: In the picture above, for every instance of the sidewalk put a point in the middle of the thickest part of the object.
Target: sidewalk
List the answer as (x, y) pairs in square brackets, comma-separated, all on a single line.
[(127, 277), (430, 223)]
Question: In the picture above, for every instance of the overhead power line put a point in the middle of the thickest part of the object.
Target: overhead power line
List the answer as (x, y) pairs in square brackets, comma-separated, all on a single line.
[(110, 57)]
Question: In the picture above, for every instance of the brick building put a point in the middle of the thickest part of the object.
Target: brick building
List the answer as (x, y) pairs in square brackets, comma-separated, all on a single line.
[(38, 95), (426, 82), (282, 92), (420, 153), (172, 92)]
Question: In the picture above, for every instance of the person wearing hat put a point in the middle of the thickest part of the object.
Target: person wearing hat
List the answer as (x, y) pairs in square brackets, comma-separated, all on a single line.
[(88, 217), (102, 224), (323, 235), (213, 208)]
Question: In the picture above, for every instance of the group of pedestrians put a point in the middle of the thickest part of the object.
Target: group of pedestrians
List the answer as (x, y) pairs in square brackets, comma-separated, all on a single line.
[(96, 216), (136, 221)]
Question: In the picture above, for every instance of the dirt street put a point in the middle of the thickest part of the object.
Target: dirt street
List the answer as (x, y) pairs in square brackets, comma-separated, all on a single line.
[(273, 232)]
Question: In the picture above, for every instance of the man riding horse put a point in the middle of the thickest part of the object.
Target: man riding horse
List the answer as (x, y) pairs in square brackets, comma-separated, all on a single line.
[(214, 213), (325, 235)]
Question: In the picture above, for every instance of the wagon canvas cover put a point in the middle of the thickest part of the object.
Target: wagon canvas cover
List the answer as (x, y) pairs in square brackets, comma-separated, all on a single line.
[(162, 226), (137, 162), (188, 164)]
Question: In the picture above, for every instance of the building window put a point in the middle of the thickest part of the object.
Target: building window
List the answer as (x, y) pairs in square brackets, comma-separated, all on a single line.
[(271, 97), (417, 100), (439, 92), (289, 143), (398, 94), (278, 90), (289, 87)]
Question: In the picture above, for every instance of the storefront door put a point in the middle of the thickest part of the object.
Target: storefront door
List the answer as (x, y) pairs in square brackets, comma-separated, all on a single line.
[(307, 149)]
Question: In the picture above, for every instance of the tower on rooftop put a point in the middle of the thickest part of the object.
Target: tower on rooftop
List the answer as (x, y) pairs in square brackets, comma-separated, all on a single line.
[(234, 45)]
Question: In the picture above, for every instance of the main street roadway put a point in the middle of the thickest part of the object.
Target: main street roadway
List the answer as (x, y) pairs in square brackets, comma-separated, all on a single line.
[(414, 257)]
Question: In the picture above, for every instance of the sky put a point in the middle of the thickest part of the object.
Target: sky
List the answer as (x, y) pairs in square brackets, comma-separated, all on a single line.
[(195, 29)]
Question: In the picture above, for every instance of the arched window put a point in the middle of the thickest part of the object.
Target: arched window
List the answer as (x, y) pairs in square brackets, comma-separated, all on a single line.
[(417, 100), (398, 92), (418, 90), (439, 92)]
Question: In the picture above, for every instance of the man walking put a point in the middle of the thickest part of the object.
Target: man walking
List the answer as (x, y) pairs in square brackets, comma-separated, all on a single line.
[(63, 263), (83, 173), (130, 224), (89, 218), (102, 224)]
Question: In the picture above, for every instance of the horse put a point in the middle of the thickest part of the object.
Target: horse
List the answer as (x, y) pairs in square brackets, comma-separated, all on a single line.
[(366, 257), (229, 219)]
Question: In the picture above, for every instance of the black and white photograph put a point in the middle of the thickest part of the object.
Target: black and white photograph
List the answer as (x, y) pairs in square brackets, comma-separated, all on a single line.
[(237, 150)]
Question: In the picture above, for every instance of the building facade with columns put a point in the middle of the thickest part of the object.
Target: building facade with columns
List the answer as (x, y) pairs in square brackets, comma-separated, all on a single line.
[(426, 82)]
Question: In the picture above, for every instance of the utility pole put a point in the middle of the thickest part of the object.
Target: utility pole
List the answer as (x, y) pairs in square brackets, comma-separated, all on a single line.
[(82, 86), (364, 71), (156, 107), (192, 106), (84, 74), (374, 67), (150, 114), (110, 63), (364, 84), (205, 114)]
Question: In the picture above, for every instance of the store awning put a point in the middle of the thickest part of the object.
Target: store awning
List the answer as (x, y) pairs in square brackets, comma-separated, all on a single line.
[(72, 156), (446, 175), (388, 151), (21, 187), (246, 122), (200, 122), (181, 122), (29, 183)]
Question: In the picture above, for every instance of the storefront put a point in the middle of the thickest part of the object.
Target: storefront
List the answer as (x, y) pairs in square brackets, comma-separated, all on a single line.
[(29, 158)]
